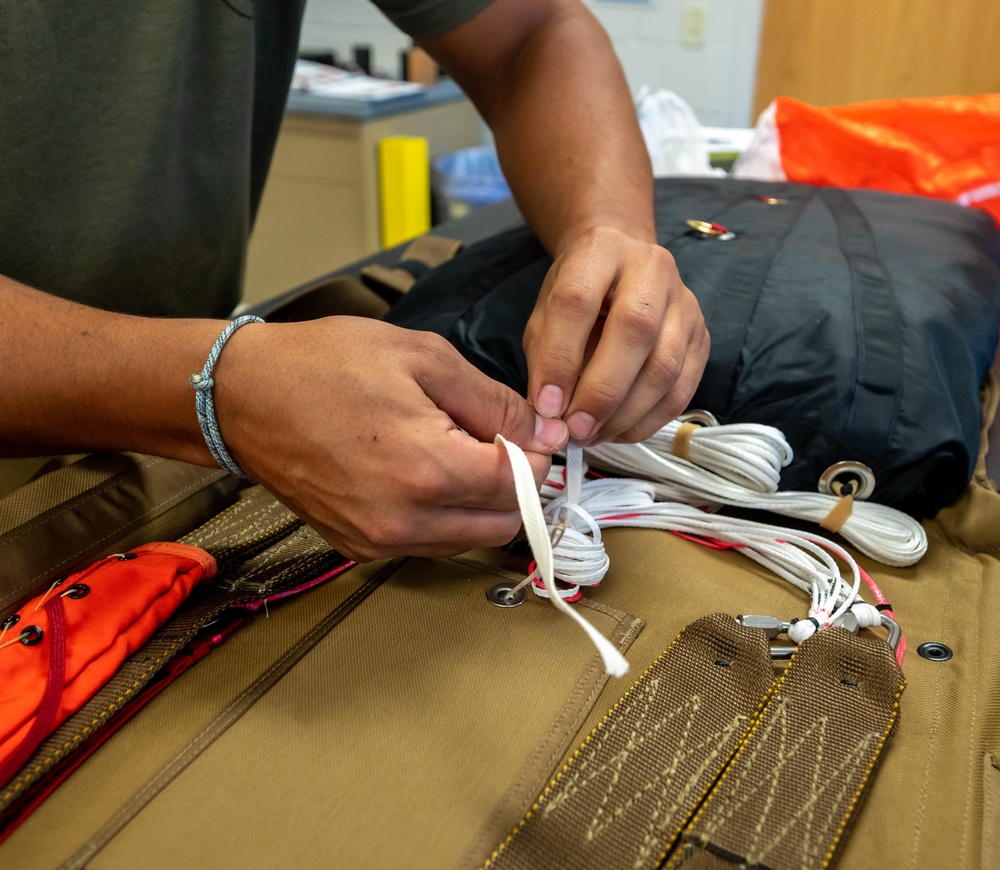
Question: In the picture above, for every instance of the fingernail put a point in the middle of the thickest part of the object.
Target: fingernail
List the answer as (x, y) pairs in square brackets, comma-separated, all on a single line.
[(551, 433), (550, 401), (581, 425)]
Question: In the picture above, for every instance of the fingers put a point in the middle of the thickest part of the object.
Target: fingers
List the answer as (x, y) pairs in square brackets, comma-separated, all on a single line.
[(673, 402), (635, 339), (559, 329), (484, 407), (465, 500), (665, 384), (616, 344)]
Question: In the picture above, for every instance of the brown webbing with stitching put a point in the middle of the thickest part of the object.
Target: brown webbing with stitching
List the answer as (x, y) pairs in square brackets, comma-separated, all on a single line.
[(261, 548), (627, 793), (786, 800)]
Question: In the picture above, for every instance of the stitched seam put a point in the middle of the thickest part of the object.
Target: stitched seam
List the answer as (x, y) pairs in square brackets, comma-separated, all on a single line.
[(219, 724), (73, 503), (932, 736), (624, 639)]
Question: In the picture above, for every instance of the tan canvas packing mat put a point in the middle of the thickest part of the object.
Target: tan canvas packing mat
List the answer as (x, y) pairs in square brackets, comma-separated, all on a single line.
[(393, 717)]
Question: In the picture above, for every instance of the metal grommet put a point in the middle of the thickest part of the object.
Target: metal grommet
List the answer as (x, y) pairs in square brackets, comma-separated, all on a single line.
[(126, 557), (31, 635), (10, 621), (500, 595), (934, 651), (848, 478), (77, 590), (702, 418)]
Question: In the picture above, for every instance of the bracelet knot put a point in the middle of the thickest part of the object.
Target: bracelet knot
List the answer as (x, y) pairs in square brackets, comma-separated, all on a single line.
[(205, 405)]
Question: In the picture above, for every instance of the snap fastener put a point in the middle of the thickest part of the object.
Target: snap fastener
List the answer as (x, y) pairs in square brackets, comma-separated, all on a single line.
[(934, 651), (501, 595), (848, 478), (710, 230), (77, 590), (32, 635)]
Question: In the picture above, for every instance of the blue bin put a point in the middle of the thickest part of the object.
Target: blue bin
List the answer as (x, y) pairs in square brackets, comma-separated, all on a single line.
[(465, 180)]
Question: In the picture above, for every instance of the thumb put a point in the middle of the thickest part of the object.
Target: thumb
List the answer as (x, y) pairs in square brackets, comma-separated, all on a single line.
[(484, 408)]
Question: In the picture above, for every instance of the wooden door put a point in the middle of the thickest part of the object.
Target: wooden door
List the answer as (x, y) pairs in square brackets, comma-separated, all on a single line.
[(832, 52)]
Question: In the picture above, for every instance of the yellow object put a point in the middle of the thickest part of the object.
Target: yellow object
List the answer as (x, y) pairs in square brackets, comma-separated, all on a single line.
[(404, 188)]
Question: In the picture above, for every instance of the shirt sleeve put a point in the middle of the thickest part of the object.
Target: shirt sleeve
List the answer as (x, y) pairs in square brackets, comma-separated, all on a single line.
[(429, 17)]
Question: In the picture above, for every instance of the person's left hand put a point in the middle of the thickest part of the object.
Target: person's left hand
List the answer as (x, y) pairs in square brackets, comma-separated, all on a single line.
[(616, 344)]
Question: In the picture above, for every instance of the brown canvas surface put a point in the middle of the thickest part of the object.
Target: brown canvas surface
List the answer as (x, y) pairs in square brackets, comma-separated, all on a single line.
[(422, 725)]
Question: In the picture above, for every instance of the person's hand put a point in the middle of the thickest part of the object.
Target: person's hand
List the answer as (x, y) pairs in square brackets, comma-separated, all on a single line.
[(357, 426), (616, 344)]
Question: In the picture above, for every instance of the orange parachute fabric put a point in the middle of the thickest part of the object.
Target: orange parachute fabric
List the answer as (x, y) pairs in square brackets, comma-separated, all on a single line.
[(62, 646), (943, 147)]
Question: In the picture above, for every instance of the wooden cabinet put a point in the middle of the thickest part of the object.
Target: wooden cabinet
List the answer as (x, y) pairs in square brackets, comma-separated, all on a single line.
[(320, 205)]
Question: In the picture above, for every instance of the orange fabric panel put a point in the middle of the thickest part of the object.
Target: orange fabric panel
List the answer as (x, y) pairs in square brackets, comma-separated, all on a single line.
[(943, 147), (128, 600)]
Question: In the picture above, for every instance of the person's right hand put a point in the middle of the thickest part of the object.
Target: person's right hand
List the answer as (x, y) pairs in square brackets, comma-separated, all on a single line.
[(357, 426)]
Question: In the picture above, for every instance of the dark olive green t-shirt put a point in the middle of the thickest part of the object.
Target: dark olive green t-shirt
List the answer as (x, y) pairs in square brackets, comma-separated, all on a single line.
[(135, 139)]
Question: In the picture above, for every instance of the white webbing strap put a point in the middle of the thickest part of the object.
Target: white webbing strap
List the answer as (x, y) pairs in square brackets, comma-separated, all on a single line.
[(541, 546)]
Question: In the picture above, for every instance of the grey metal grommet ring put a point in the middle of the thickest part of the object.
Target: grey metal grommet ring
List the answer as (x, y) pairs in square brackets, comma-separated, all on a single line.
[(501, 595), (848, 478), (702, 418), (31, 635), (934, 651), (77, 590)]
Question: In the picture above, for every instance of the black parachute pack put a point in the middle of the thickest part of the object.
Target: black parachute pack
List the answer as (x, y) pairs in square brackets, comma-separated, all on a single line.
[(860, 323)]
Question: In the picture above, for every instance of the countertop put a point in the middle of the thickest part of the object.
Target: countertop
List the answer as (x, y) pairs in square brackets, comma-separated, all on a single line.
[(304, 103)]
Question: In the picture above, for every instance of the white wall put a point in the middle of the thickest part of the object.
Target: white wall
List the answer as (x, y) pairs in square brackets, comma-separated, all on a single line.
[(716, 77)]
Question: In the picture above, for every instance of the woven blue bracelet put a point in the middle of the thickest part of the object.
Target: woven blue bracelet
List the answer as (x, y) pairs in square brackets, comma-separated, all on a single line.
[(205, 406)]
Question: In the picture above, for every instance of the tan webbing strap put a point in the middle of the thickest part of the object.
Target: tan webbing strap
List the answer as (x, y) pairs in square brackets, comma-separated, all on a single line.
[(839, 514), (626, 794), (786, 800), (682, 439)]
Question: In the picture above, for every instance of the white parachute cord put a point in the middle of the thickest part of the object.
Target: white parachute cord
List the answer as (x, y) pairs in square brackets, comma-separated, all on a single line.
[(748, 454), (541, 546), (878, 531), (578, 553), (805, 560)]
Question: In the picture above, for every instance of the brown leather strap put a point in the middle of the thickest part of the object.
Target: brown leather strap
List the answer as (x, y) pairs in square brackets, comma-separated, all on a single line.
[(422, 254), (789, 794), (626, 794)]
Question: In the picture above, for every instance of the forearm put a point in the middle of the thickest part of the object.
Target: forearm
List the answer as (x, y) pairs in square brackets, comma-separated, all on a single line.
[(565, 126), (75, 379)]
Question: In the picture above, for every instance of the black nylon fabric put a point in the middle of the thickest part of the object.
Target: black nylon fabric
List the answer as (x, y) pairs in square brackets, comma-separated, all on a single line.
[(860, 323)]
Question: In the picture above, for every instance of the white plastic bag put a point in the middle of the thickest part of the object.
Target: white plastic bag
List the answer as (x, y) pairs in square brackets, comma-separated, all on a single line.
[(674, 138)]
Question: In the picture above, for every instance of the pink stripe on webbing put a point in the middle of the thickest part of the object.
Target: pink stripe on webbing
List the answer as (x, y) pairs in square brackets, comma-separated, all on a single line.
[(302, 587)]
